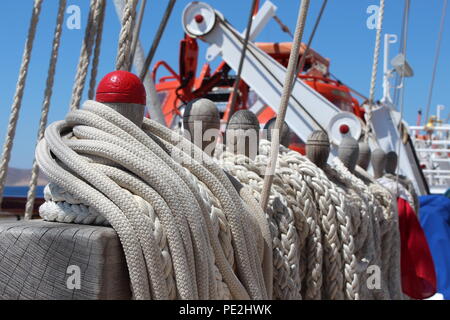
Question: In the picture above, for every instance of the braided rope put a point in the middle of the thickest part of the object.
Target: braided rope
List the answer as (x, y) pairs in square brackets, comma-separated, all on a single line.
[(96, 7), (388, 228), (126, 36), (373, 78), (327, 202), (46, 105), (286, 243), (302, 196), (368, 249), (98, 43), (169, 214), (17, 101)]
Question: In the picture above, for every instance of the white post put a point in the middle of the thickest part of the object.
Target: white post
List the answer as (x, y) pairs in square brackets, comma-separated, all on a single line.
[(388, 39)]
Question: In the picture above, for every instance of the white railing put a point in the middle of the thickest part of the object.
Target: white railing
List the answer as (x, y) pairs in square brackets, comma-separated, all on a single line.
[(433, 150)]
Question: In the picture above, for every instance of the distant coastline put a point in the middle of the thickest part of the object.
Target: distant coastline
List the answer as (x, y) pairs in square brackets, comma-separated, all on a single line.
[(21, 178)]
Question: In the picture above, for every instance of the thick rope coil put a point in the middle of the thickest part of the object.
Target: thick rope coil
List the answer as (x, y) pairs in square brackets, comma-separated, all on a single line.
[(141, 165), (60, 206), (396, 190), (286, 251), (300, 194), (216, 180), (95, 13), (218, 218), (369, 248), (17, 101), (328, 203), (388, 229), (46, 105), (126, 36)]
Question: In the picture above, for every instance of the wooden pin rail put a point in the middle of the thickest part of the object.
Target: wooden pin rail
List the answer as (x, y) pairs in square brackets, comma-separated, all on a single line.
[(57, 261), (15, 207)]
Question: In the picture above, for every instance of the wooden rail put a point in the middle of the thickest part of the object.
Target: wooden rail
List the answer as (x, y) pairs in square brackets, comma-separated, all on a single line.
[(15, 206)]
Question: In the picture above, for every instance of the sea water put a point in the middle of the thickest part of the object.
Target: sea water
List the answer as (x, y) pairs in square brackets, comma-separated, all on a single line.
[(21, 192)]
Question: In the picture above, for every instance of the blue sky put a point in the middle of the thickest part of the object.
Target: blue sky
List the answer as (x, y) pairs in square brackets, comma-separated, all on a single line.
[(342, 36)]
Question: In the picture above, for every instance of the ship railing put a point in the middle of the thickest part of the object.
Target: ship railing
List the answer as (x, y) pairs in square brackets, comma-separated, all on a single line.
[(433, 151)]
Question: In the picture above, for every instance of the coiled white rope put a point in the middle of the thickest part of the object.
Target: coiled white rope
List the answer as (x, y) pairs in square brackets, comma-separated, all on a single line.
[(17, 102), (46, 105), (367, 236), (139, 162), (189, 231), (327, 204), (389, 231), (285, 237)]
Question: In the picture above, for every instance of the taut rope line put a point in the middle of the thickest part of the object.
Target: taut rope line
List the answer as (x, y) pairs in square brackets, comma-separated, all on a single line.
[(98, 43), (126, 36), (17, 102), (373, 78), (287, 89), (86, 51), (46, 105)]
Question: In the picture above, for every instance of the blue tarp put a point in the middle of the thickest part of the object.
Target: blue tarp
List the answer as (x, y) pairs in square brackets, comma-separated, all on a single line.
[(435, 221)]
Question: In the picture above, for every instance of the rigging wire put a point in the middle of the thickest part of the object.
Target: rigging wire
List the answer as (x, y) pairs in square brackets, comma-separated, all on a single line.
[(31, 195), (137, 32), (96, 58), (283, 27), (157, 39), (18, 95), (436, 58), (301, 64), (287, 89)]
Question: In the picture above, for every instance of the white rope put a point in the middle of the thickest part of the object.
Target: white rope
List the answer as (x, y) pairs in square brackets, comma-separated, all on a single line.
[(327, 203), (189, 231), (142, 166), (46, 105), (367, 235), (17, 102), (373, 79), (390, 254), (285, 236), (126, 36), (98, 43), (86, 51), (287, 89)]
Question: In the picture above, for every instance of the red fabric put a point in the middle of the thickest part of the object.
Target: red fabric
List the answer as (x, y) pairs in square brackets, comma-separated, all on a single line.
[(417, 267)]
